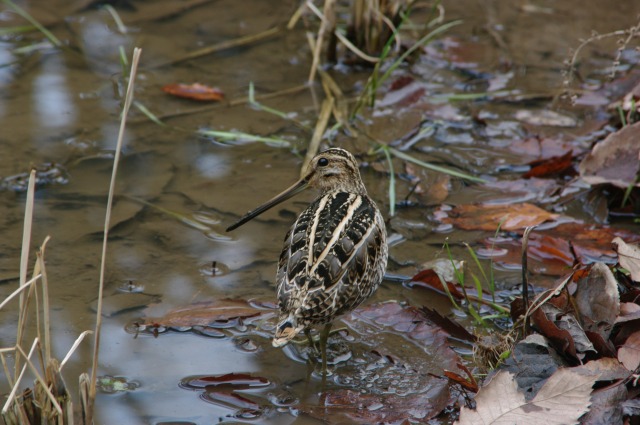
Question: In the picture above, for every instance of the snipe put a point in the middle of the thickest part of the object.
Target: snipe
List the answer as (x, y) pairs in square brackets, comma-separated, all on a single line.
[(335, 253)]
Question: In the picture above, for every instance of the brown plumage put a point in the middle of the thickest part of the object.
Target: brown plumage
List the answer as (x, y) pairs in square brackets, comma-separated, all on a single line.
[(335, 253)]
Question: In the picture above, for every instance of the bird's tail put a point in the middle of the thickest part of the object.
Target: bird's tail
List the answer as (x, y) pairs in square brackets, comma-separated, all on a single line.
[(286, 330)]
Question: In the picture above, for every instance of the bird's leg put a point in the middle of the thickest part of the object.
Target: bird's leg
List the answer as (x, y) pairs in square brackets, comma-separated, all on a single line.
[(324, 336), (312, 343)]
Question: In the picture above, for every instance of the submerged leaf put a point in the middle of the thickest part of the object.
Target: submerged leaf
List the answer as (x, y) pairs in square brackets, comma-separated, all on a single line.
[(490, 217), (551, 166), (210, 313)]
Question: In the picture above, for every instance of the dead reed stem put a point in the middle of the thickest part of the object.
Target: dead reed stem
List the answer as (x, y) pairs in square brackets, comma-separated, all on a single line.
[(116, 159)]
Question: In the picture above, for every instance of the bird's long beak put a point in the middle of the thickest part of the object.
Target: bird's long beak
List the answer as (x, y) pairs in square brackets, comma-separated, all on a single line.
[(288, 193)]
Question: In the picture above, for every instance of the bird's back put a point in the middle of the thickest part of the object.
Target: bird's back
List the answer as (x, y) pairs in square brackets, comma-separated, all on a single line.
[(334, 258)]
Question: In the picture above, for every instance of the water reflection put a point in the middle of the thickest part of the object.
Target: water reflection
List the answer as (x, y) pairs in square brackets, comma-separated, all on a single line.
[(6, 72), (50, 95)]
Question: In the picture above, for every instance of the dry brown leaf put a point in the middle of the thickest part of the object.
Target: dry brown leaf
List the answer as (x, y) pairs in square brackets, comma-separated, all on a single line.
[(195, 91), (629, 352), (489, 217), (615, 159), (629, 257), (628, 312), (208, 313), (562, 400), (598, 300)]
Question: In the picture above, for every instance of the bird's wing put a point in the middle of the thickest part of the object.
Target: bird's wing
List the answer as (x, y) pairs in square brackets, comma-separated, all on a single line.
[(337, 234)]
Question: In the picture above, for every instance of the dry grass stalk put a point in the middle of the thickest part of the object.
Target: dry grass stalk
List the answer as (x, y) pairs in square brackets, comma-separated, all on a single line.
[(107, 223)]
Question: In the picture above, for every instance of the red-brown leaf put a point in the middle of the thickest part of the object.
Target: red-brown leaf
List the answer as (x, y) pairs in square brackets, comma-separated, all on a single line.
[(552, 166), (195, 91), (489, 217), (430, 278)]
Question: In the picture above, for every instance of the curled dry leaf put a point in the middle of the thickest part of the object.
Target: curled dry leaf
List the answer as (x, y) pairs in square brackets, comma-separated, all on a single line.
[(562, 400), (195, 91), (437, 272), (598, 300), (615, 160), (629, 352), (489, 217), (628, 257), (563, 330)]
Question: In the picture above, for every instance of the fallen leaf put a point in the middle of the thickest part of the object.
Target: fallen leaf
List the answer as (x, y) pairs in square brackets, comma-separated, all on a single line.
[(489, 217), (195, 91), (606, 406), (469, 383), (431, 187), (614, 160), (629, 352), (551, 166), (542, 148), (453, 328), (431, 279), (628, 312), (532, 362), (606, 368), (546, 117), (598, 300), (221, 389), (521, 190), (562, 400), (563, 330), (348, 406), (218, 313), (554, 250), (628, 257)]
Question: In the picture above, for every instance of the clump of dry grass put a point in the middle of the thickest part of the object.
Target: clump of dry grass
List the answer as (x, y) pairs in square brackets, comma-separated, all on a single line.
[(49, 402)]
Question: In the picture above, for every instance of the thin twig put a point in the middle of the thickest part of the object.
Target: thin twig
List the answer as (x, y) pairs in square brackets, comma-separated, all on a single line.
[(525, 273), (228, 44)]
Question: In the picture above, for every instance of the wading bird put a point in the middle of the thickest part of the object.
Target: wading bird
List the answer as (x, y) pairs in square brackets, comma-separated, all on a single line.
[(335, 253)]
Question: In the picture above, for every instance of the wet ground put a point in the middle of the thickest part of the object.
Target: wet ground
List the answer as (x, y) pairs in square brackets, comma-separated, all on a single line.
[(61, 107)]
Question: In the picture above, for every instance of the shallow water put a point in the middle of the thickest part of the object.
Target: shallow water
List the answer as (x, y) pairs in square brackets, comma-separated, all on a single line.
[(62, 107)]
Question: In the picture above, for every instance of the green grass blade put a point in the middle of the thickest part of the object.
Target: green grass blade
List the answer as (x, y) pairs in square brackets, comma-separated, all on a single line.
[(424, 40), (140, 107), (416, 161), (230, 137), (20, 11)]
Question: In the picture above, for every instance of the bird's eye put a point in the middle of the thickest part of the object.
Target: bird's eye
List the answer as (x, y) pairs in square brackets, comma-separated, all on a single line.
[(323, 162)]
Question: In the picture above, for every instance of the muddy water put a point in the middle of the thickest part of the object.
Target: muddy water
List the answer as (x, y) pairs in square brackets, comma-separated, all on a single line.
[(62, 107)]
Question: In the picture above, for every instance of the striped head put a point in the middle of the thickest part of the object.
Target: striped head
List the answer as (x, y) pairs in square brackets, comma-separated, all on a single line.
[(334, 170)]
